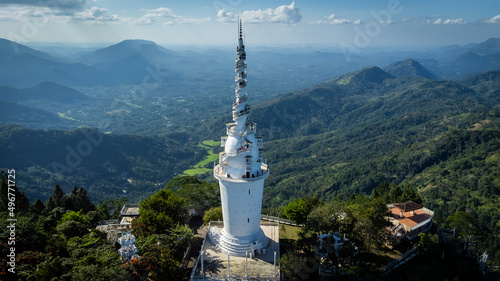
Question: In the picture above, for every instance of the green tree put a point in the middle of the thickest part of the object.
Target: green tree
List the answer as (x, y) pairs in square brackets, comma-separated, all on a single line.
[(333, 216), (382, 190), (409, 194), (110, 209), (395, 194), (75, 216), (72, 228), (299, 209), (214, 214), (370, 221), (163, 253), (58, 197), (197, 193), (160, 212), (37, 207), (82, 201), (466, 224)]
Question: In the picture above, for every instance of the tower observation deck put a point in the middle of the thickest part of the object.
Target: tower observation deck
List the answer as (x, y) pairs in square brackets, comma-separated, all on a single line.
[(241, 173)]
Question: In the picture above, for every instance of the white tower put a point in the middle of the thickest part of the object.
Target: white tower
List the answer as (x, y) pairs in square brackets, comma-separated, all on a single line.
[(241, 173)]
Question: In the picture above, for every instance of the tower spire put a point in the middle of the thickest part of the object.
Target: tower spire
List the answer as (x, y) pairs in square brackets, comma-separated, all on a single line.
[(241, 29)]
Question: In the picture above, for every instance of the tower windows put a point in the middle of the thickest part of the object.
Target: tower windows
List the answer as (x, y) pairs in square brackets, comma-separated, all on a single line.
[(249, 192), (248, 220)]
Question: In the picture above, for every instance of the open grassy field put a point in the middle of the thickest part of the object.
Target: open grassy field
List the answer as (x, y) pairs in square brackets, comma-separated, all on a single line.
[(200, 167)]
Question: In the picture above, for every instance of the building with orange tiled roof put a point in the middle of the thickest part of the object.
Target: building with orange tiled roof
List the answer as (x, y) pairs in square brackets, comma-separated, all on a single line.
[(409, 219)]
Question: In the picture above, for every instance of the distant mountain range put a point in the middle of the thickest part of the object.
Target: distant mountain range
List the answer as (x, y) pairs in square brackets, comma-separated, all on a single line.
[(124, 63), (488, 47), (137, 61), (147, 51)]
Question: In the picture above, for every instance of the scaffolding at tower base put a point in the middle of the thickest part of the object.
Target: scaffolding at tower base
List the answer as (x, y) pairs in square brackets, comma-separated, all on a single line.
[(128, 250)]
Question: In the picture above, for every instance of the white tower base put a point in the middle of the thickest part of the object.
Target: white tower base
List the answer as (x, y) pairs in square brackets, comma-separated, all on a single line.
[(241, 207), (240, 246)]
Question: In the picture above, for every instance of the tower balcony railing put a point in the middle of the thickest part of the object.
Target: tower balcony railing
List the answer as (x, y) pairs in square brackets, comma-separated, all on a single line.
[(252, 128), (220, 173), (222, 157), (241, 75), (230, 128), (223, 141), (241, 56), (240, 99), (260, 141), (242, 84), (240, 113), (240, 64)]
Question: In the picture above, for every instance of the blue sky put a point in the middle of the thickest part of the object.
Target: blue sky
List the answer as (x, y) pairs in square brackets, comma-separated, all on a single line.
[(358, 23)]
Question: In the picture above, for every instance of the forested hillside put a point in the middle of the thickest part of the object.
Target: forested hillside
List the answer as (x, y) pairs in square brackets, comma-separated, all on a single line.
[(107, 165), (351, 133)]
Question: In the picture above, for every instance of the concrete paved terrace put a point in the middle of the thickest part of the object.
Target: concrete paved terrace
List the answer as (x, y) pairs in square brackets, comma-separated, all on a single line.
[(260, 267)]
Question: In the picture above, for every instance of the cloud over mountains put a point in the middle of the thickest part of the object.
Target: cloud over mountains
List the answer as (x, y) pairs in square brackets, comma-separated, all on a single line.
[(286, 14)]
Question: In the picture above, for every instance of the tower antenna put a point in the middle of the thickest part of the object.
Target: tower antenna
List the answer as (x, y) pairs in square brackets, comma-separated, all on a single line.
[(241, 28)]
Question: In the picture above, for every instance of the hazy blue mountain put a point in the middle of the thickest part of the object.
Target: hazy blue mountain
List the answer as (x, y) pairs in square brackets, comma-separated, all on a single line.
[(47, 91), (353, 100), (409, 67), (21, 66), (488, 47), (468, 63), (149, 51), (9, 49), (136, 62), (129, 62), (486, 85)]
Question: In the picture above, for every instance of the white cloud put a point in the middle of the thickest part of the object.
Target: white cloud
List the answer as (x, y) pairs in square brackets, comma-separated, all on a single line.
[(495, 19), (95, 15), (440, 21), (340, 21), (226, 16), (455, 21), (193, 21), (153, 15), (332, 20), (384, 22), (287, 14), (39, 15), (168, 16), (52, 4)]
